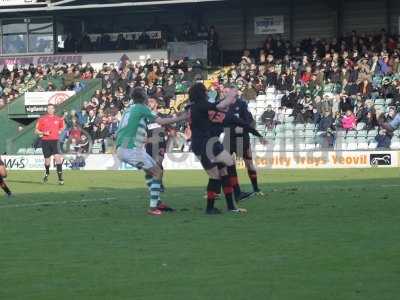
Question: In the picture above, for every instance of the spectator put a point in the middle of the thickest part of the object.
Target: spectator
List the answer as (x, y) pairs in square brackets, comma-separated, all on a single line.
[(326, 122), (267, 117), (383, 139), (349, 121)]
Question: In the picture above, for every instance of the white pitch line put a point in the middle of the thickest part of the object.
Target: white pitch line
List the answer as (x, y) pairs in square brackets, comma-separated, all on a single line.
[(56, 203), (390, 185)]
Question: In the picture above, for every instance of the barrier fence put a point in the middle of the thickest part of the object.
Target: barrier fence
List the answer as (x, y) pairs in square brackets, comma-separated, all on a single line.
[(188, 161)]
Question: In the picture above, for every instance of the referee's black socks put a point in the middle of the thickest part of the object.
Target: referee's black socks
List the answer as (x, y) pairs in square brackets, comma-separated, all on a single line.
[(47, 167), (4, 186), (59, 172)]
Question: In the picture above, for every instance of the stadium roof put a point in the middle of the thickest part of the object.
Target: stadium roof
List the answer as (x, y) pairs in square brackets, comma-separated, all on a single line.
[(60, 5)]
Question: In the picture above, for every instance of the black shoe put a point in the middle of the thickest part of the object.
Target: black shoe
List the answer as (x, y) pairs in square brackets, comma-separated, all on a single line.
[(9, 195), (213, 211), (45, 178), (243, 195)]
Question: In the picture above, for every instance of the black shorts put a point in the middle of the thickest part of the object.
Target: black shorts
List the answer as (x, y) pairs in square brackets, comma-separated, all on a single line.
[(240, 146), (50, 148), (199, 148), (161, 150)]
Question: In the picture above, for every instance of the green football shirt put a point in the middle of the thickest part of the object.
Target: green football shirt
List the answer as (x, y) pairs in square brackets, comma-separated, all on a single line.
[(132, 131)]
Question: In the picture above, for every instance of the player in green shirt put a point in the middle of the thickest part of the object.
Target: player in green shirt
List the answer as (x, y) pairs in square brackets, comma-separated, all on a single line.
[(131, 140)]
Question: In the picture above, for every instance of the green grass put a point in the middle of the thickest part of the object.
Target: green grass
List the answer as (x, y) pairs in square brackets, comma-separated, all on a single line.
[(323, 234)]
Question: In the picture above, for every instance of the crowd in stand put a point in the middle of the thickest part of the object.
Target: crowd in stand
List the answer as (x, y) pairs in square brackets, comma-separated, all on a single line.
[(332, 84), (98, 119)]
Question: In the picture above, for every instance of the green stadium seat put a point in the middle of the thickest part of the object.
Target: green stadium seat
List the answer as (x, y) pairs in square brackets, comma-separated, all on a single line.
[(372, 133), (289, 126), (380, 102), (310, 126), (351, 133), (389, 101), (269, 134), (360, 126), (372, 145), (30, 151), (21, 151), (362, 133), (309, 133)]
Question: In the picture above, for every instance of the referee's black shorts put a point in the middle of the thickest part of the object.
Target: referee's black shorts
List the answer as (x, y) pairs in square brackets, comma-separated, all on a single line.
[(50, 148)]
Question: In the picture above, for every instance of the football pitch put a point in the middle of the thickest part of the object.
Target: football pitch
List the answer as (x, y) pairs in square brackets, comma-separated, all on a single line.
[(316, 234)]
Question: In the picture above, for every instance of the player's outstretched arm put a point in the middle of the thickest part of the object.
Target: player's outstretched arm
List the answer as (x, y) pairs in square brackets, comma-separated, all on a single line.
[(171, 120)]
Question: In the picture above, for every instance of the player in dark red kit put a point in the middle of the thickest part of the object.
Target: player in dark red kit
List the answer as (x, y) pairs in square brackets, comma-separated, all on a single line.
[(237, 141), (49, 128), (3, 175), (207, 148)]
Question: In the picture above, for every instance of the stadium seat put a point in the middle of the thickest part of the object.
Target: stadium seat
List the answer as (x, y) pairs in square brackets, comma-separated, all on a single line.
[(30, 151), (289, 133), (351, 133), (279, 128), (276, 147), (352, 146), (299, 133), (260, 147), (372, 145), (269, 134), (360, 126), (380, 102), (362, 133), (261, 98), (300, 126), (310, 126), (372, 133), (362, 145), (289, 147), (309, 140), (395, 144), (309, 133), (21, 151), (39, 151), (310, 147), (389, 101), (289, 120)]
